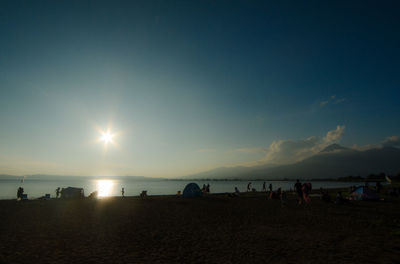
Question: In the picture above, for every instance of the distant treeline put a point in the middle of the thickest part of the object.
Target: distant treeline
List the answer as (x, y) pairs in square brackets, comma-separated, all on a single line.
[(370, 177)]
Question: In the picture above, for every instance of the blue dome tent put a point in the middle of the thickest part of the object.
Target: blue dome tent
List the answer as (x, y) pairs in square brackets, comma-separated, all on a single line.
[(192, 190), (364, 193)]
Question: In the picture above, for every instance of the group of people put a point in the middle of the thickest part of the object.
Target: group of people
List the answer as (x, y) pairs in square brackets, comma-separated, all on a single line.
[(303, 191), (264, 187), (278, 194), (206, 188)]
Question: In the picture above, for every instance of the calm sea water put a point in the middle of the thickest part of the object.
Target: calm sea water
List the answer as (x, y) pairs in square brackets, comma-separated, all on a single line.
[(112, 187)]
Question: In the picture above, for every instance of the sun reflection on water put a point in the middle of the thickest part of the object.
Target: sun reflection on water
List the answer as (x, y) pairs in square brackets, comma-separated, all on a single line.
[(105, 187)]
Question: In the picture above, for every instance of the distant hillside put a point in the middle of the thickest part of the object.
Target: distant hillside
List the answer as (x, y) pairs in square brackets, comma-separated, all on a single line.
[(333, 162), (66, 177)]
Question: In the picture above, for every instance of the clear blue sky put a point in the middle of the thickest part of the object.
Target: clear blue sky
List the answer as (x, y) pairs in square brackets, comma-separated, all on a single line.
[(188, 83)]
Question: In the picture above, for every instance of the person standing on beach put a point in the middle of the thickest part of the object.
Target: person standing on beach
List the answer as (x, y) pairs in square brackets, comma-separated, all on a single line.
[(306, 192), (264, 189), (20, 193), (298, 188), (208, 188), (270, 187), (123, 192), (283, 197), (57, 192), (249, 187)]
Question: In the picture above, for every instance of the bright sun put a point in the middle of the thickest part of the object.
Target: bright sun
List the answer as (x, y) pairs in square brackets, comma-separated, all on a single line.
[(106, 137)]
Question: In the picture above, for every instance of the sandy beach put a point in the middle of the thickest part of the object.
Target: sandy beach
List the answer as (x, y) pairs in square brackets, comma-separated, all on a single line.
[(213, 229)]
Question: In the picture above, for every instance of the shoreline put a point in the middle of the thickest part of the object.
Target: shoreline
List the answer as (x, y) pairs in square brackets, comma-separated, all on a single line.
[(242, 194)]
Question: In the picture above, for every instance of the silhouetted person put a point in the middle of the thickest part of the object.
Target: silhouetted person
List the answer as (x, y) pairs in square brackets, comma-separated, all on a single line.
[(270, 187), (20, 193), (57, 192), (204, 188), (249, 187), (283, 197), (123, 192), (306, 191), (264, 188), (279, 192), (339, 198), (299, 191), (208, 188)]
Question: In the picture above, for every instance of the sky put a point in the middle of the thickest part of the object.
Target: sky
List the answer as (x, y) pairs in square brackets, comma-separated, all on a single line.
[(188, 86)]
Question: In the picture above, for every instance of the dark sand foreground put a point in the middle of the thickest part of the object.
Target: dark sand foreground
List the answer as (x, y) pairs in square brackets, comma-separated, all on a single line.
[(214, 229)]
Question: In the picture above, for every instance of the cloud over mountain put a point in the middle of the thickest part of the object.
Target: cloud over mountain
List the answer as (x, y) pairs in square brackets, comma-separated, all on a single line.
[(393, 141), (290, 151)]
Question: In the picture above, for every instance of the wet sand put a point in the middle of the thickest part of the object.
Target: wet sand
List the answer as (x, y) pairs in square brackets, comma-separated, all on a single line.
[(214, 229)]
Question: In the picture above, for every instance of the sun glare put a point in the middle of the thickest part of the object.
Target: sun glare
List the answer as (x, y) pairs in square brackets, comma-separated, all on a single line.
[(106, 137), (105, 187)]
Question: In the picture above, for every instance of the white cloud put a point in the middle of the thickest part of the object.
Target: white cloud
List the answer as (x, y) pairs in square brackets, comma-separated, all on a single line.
[(366, 147), (332, 100), (290, 151), (393, 141), (334, 135), (323, 103)]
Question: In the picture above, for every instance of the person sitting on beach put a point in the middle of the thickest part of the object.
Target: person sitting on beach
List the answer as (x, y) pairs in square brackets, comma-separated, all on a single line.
[(339, 198), (299, 191), (325, 196), (275, 195), (237, 191), (235, 194), (249, 187), (143, 194)]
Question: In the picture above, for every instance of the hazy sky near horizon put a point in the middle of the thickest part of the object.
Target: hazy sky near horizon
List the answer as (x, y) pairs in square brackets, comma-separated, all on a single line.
[(192, 85)]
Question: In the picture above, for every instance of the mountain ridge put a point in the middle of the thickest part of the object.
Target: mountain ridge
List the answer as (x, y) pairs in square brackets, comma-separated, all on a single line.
[(335, 162)]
